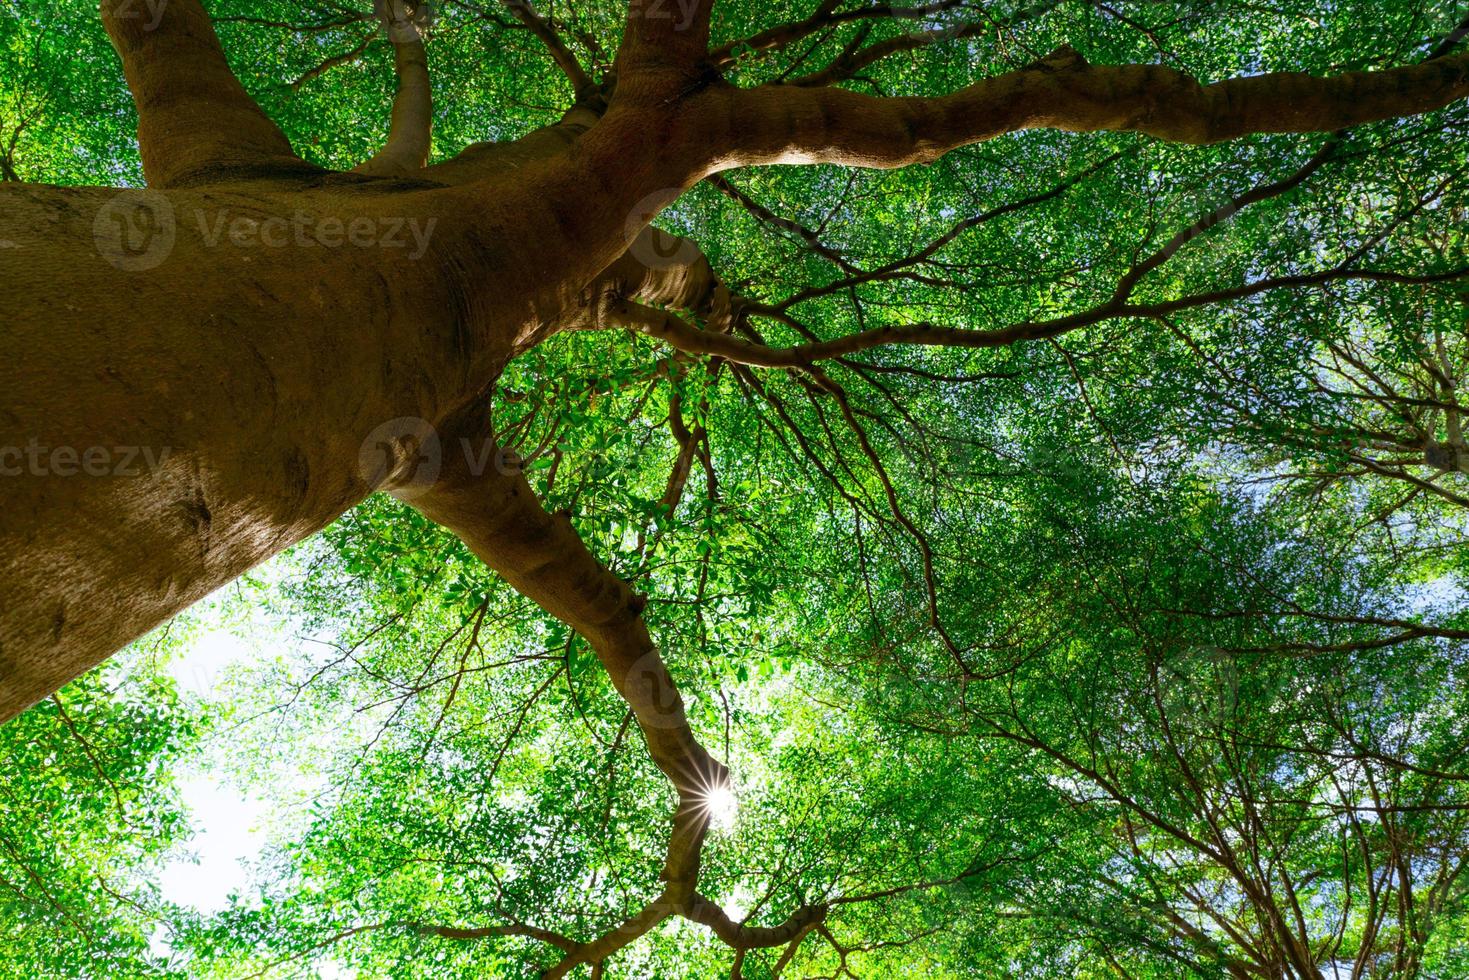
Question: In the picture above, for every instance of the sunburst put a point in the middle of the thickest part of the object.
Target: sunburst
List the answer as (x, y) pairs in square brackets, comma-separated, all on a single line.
[(720, 805)]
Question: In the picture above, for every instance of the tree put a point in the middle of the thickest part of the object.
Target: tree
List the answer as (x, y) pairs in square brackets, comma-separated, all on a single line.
[(90, 811), (888, 367)]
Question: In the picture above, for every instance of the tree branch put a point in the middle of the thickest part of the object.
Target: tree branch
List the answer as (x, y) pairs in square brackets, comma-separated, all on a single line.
[(524, 12), (410, 134), (852, 61), (788, 124), (665, 47), (480, 160), (682, 335), (196, 122), (740, 936), (497, 515)]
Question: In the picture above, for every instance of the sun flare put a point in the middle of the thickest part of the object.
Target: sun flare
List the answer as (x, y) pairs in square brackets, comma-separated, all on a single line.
[(722, 806)]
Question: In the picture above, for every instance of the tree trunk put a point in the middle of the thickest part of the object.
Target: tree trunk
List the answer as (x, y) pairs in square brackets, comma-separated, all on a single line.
[(167, 428)]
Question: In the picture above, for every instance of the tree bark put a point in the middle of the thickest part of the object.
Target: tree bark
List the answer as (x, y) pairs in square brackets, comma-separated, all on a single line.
[(223, 397)]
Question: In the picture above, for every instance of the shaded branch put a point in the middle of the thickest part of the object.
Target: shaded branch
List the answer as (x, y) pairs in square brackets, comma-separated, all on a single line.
[(684, 336), (479, 160), (196, 122), (526, 13), (664, 48)]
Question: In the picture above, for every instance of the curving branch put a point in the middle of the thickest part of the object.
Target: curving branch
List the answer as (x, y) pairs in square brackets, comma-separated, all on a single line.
[(525, 12), (410, 133), (855, 58), (496, 513), (443, 932), (743, 937), (196, 122), (827, 16), (540, 555), (685, 336), (775, 124)]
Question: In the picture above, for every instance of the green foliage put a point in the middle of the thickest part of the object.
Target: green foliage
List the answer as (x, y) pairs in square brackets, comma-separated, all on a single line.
[(89, 814)]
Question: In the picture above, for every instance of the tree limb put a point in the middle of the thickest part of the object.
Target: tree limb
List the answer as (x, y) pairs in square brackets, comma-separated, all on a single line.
[(524, 12), (410, 133), (663, 46), (786, 124), (196, 122), (684, 336)]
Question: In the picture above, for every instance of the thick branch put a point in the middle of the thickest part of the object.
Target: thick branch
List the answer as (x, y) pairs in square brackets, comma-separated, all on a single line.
[(195, 120), (741, 936), (496, 513), (658, 268), (664, 48), (410, 133), (787, 124), (480, 161)]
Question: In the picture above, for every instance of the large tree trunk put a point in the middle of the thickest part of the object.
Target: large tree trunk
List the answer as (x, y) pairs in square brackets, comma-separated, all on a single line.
[(198, 378), (165, 429), (229, 364)]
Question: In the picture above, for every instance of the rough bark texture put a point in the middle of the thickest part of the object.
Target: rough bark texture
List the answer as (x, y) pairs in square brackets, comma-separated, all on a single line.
[(195, 121), (230, 431)]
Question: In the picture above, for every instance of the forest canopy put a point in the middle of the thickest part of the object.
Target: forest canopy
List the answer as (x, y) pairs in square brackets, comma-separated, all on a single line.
[(1054, 544)]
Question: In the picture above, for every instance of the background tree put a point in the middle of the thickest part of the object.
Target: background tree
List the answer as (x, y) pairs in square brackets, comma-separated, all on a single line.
[(1060, 543), (90, 812)]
